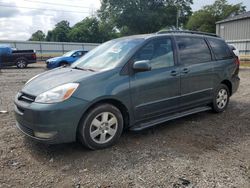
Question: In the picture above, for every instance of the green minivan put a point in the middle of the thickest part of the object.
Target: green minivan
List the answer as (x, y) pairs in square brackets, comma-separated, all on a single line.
[(132, 82)]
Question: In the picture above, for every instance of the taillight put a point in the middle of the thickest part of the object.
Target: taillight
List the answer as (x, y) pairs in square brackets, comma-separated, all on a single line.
[(237, 61), (237, 68), (34, 56)]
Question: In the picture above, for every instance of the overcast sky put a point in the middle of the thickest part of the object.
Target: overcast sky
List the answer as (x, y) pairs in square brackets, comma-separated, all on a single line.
[(20, 18)]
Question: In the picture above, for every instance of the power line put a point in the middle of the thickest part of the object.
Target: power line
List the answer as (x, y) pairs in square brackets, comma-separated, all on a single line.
[(11, 6), (43, 2)]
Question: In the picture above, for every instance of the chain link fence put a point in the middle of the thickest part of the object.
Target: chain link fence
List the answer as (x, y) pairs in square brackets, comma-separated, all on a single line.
[(45, 50)]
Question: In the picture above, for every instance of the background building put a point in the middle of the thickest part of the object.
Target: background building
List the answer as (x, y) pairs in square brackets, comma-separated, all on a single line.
[(236, 30)]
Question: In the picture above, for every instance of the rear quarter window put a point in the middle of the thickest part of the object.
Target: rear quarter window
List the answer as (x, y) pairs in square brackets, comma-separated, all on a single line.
[(220, 49)]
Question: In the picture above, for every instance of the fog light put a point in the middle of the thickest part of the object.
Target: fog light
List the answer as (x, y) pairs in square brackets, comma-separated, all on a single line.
[(44, 135)]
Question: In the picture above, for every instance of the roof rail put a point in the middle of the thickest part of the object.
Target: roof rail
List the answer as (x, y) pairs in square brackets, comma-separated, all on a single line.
[(187, 32)]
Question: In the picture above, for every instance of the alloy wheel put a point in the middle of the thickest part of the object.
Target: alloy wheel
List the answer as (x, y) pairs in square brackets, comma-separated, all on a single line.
[(222, 98), (103, 127), (21, 63)]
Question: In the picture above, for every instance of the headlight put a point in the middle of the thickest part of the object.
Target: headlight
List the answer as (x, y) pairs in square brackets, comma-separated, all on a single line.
[(57, 94)]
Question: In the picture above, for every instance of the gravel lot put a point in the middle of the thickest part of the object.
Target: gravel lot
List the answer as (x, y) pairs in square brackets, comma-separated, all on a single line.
[(202, 150)]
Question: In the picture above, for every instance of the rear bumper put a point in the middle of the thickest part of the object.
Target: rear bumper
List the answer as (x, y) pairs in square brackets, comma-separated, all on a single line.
[(32, 61), (235, 84), (60, 119)]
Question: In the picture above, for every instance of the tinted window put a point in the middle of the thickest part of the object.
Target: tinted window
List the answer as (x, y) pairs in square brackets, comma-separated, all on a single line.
[(159, 52), (220, 49), (193, 50), (78, 54)]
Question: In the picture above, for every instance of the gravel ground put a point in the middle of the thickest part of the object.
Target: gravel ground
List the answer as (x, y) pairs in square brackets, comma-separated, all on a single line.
[(202, 150)]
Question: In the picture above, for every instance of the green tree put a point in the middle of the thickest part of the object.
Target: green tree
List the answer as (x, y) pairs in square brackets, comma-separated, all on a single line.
[(91, 30), (205, 19), (37, 36), (85, 31), (60, 32), (143, 16), (107, 31)]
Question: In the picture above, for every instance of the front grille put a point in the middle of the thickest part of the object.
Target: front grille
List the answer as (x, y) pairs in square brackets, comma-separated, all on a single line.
[(27, 98), (25, 129)]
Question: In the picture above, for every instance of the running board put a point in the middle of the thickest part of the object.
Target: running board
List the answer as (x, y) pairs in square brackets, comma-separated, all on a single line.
[(168, 118)]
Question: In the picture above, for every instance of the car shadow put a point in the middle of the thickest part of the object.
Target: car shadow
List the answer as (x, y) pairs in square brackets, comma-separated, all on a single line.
[(30, 66)]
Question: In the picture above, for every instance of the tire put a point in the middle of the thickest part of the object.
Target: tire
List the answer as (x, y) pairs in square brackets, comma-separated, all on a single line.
[(95, 131), (21, 63), (221, 98)]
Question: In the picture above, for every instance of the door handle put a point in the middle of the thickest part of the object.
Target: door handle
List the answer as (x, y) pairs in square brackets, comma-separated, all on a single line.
[(185, 70), (174, 73)]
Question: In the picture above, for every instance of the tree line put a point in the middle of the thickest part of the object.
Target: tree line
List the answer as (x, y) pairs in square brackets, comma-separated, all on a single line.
[(127, 17)]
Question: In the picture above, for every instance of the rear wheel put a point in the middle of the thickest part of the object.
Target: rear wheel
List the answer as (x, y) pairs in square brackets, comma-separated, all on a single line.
[(101, 127), (221, 98), (21, 63)]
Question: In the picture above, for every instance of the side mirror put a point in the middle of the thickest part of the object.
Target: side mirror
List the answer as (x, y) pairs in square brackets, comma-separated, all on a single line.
[(142, 66)]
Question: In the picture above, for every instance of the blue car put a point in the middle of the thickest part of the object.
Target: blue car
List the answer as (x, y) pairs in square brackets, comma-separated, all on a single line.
[(67, 59)]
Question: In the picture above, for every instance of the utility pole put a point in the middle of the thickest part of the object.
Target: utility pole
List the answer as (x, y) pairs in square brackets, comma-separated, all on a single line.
[(177, 17)]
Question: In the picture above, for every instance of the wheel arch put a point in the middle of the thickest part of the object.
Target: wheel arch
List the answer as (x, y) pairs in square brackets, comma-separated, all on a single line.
[(21, 58), (118, 104), (228, 84), (24, 58), (63, 62)]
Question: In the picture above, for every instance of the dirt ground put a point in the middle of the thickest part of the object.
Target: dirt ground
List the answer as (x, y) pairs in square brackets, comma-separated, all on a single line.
[(202, 150)]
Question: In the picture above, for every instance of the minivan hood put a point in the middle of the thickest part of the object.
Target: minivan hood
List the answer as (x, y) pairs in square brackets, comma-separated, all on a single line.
[(51, 79)]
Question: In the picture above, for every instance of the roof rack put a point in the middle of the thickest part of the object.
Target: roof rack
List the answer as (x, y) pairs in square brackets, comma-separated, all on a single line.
[(187, 32)]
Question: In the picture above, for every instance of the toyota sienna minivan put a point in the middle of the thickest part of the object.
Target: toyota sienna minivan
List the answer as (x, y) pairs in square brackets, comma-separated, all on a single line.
[(132, 82)]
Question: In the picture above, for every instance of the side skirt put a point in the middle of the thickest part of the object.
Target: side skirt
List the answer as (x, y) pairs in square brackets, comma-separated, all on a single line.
[(152, 123)]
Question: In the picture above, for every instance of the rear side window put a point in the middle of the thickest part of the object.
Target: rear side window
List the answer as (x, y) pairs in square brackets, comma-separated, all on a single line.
[(193, 50), (220, 49)]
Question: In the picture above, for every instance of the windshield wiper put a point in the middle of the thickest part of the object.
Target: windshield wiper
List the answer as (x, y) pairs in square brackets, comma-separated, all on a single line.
[(79, 68)]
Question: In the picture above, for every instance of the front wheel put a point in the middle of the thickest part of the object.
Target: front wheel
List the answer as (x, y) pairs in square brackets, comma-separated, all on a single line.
[(63, 64), (221, 98), (101, 127)]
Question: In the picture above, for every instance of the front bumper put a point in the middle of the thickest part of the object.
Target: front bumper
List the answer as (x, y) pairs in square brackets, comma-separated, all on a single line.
[(51, 64), (61, 119)]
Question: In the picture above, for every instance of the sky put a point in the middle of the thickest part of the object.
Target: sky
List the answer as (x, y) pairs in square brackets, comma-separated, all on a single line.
[(20, 18)]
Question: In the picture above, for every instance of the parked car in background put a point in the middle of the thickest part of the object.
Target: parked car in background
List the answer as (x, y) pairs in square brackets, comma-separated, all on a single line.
[(133, 82), (19, 58), (66, 59), (235, 50)]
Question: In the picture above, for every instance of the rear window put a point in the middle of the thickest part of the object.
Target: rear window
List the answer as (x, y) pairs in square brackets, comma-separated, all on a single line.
[(193, 50), (220, 49)]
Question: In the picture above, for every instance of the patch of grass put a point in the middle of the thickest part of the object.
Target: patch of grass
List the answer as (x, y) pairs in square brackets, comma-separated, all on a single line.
[(245, 63)]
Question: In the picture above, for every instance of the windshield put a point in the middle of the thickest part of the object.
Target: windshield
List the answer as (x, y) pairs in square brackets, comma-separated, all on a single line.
[(107, 55), (68, 54)]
